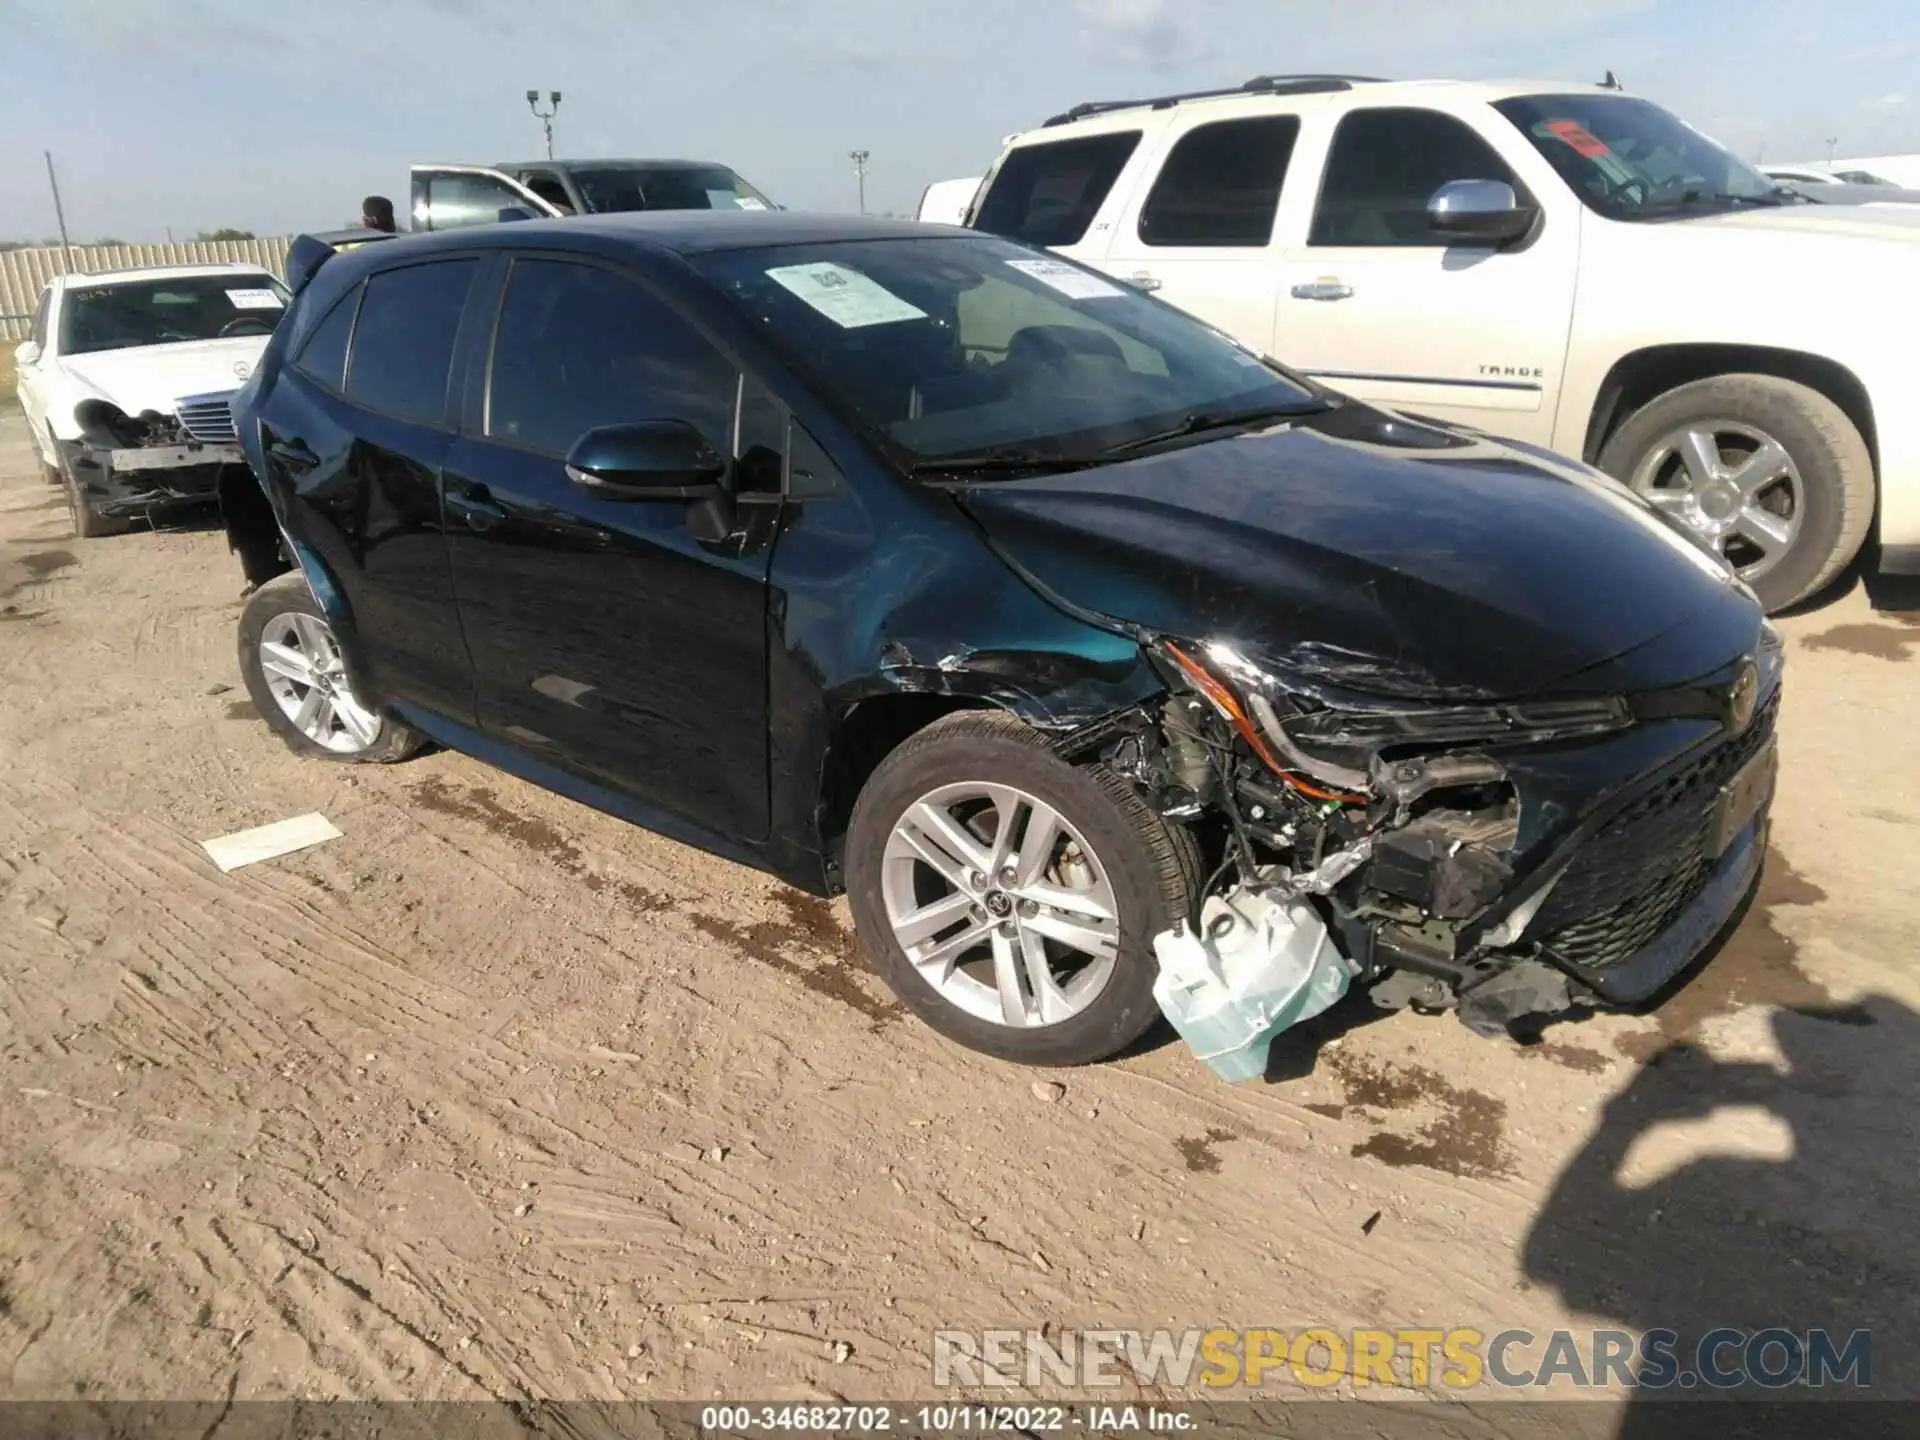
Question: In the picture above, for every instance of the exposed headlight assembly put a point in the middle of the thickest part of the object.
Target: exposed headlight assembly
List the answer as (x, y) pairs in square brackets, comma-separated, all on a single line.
[(1301, 741)]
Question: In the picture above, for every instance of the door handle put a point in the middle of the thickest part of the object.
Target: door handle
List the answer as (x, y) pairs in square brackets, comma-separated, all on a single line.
[(1322, 290), (474, 507), (1143, 280), (295, 455)]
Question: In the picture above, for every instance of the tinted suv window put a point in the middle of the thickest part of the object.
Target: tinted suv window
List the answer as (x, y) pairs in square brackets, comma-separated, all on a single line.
[(1221, 184), (324, 356), (1385, 166), (580, 347), (403, 341), (1049, 194)]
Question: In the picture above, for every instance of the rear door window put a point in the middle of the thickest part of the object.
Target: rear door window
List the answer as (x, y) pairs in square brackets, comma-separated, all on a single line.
[(403, 341), (1383, 169), (579, 347), (1221, 184), (1048, 194)]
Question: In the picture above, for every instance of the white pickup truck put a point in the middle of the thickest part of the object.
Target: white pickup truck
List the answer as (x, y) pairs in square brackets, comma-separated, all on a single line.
[(1562, 265)]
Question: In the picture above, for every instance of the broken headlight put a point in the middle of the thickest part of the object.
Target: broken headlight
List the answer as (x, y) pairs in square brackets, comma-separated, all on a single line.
[(1298, 736)]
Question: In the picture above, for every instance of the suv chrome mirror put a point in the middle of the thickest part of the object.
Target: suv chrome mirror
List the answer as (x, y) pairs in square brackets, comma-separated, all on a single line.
[(1486, 211), (646, 460)]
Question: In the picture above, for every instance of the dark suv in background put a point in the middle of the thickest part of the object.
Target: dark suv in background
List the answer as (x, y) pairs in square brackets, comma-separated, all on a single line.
[(1026, 609)]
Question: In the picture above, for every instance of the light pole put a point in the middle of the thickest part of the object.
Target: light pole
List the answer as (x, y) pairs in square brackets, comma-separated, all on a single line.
[(545, 117), (859, 158), (1831, 142)]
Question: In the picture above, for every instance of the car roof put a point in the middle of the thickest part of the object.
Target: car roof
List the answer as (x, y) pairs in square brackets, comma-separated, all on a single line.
[(157, 272), (667, 232), (511, 165)]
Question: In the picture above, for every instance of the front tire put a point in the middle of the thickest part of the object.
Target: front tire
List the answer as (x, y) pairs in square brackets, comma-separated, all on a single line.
[(1011, 899), (88, 523), (297, 680), (1769, 474)]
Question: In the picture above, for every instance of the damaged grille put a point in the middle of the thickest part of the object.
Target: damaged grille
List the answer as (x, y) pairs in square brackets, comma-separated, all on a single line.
[(1636, 875), (208, 418)]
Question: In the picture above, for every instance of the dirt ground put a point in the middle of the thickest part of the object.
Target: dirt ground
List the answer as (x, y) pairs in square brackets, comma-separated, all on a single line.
[(498, 1097)]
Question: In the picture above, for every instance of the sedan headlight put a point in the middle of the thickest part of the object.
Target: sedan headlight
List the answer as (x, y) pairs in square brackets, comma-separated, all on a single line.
[(1298, 738)]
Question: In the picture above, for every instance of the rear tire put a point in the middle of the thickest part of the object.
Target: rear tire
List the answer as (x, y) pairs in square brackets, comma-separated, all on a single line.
[(281, 626), (1831, 508), (1107, 839)]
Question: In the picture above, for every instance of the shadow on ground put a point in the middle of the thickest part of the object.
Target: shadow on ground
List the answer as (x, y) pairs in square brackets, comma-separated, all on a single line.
[(1794, 1208)]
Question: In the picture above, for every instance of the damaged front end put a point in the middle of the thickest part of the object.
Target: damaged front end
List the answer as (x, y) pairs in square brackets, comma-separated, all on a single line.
[(1505, 860), (128, 465)]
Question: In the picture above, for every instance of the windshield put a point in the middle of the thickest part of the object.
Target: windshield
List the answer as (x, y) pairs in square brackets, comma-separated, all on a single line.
[(1630, 160), (955, 346), (169, 311), (667, 187)]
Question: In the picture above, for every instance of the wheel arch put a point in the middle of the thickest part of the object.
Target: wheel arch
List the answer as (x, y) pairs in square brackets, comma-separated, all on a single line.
[(1642, 376)]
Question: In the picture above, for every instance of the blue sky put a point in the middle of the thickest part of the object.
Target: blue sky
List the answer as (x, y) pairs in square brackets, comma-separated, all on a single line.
[(274, 116)]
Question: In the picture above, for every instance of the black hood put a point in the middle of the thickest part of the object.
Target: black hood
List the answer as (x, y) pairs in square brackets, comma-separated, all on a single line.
[(1371, 553)]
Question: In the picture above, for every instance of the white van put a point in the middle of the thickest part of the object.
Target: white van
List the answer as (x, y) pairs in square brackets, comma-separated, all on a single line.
[(1558, 264)]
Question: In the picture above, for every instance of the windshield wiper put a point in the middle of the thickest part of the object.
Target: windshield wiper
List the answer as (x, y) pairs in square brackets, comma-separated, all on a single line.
[(1203, 420), (1011, 457), (1693, 198)]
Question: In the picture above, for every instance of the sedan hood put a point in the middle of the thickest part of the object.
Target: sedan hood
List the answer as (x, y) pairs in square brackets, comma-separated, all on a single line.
[(153, 377), (1364, 552)]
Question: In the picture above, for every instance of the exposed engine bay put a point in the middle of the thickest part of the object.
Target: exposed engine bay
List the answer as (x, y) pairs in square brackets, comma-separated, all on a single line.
[(128, 464), (1397, 824)]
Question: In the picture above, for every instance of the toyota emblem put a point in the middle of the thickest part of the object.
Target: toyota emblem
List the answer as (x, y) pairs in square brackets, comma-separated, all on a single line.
[(242, 369), (1741, 696)]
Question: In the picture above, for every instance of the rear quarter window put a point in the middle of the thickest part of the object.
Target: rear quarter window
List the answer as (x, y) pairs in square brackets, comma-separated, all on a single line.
[(323, 356), (1048, 194)]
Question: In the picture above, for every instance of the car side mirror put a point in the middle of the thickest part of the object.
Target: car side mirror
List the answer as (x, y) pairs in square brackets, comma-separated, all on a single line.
[(646, 460), (26, 353), (515, 212), (1484, 212)]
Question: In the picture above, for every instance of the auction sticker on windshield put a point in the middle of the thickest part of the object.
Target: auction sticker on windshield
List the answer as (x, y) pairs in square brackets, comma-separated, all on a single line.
[(255, 300), (1583, 140), (846, 297), (1070, 280)]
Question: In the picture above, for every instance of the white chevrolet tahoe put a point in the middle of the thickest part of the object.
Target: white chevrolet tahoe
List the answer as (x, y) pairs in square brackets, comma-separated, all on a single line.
[(1567, 266)]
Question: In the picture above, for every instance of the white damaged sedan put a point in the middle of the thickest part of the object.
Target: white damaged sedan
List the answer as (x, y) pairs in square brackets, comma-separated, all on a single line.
[(126, 378)]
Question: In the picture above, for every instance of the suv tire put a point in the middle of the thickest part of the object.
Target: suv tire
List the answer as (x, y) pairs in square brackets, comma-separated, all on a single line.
[(1829, 512), (283, 614), (1108, 852)]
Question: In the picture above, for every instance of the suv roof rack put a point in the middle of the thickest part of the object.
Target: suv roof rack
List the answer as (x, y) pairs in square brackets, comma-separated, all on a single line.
[(1259, 85)]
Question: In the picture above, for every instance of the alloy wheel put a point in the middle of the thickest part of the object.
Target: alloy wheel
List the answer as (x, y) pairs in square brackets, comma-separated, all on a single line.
[(307, 678), (1000, 904), (1734, 489)]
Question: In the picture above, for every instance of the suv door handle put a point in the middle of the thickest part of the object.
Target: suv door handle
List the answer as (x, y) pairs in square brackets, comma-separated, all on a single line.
[(1143, 280), (1322, 290), (476, 508)]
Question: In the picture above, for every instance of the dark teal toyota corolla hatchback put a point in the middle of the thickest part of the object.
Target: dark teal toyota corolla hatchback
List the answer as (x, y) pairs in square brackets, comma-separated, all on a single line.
[(1020, 606)]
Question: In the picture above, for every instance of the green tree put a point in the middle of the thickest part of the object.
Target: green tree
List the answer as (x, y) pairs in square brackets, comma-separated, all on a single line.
[(224, 235)]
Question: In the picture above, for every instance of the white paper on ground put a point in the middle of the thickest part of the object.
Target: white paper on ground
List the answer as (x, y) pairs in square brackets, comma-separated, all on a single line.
[(846, 297), (283, 837), (1070, 280)]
